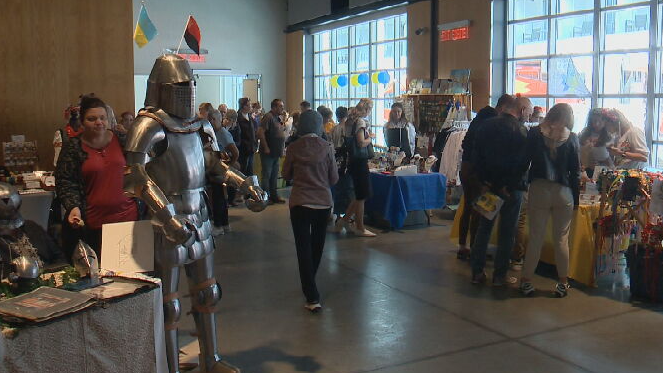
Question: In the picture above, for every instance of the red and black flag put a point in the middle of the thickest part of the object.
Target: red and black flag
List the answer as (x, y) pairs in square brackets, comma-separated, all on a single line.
[(192, 35)]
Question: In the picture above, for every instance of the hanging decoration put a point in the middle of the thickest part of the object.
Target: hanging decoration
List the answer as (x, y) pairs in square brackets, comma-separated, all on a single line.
[(354, 80), (362, 79), (342, 80), (383, 77), (334, 81), (374, 77)]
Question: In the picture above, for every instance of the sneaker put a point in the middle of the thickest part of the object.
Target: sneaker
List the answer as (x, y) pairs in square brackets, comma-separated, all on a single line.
[(517, 265), (527, 288), (218, 231), (463, 253), (227, 229), (479, 278), (562, 290), (502, 281), (340, 224), (313, 307)]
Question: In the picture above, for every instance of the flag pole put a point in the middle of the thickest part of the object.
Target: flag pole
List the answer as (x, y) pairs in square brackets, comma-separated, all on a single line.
[(182, 39)]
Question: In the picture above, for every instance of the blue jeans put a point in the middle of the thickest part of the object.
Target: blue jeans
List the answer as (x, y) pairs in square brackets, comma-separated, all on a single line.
[(270, 174), (508, 216)]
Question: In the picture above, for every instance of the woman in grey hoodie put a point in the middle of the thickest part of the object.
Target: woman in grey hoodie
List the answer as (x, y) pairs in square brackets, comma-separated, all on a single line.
[(310, 164)]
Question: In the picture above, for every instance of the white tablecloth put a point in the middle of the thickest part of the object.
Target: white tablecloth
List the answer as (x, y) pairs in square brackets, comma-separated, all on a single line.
[(36, 207)]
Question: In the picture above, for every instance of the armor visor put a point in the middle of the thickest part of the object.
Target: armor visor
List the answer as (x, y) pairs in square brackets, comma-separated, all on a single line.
[(178, 99)]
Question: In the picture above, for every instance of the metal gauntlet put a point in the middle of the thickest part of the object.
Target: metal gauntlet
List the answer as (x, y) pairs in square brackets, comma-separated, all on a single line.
[(138, 183), (257, 200)]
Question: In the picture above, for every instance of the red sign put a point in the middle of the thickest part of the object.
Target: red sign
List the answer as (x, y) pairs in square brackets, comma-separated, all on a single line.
[(193, 57), (460, 33)]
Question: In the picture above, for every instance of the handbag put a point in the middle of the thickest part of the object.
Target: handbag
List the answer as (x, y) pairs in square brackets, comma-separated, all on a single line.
[(354, 150)]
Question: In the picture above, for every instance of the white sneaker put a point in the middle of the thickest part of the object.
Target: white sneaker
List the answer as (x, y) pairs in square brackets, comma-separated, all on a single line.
[(218, 231), (340, 224), (227, 229), (313, 307), (365, 233)]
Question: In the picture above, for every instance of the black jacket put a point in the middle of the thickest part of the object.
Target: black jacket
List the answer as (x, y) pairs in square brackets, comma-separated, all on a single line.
[(564, 169), (499, 153), (468, 141), (247, 144)]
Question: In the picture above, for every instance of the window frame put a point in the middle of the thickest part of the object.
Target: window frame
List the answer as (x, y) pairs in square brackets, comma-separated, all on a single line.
[(399, 68)]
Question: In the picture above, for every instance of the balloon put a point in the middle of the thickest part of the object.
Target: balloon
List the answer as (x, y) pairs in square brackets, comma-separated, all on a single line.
[(374, 77), (362, 79), (342, 80), (334, 81), (354, 80), (383, 77)]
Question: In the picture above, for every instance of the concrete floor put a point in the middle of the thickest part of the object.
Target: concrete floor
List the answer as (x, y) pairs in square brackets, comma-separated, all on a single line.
[(402, 302)]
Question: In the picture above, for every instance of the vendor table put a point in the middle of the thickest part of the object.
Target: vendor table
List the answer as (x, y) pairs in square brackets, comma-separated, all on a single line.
[(393, 196), (36, 207), (582, 253), (124, 336)]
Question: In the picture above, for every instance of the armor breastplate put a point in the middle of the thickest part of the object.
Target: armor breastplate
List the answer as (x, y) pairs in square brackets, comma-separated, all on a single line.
[(181, 166)]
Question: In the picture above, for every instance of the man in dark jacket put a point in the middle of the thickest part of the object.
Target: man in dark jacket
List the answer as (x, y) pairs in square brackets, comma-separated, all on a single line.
[(498, 155), (471, 186), (247, 144)]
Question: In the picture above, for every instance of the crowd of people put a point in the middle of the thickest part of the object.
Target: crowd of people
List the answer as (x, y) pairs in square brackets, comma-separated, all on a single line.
[(536, 172)]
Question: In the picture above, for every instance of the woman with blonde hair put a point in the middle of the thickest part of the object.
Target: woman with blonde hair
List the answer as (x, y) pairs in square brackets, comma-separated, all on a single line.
[(357, 128), (630, 150), (554, 176)]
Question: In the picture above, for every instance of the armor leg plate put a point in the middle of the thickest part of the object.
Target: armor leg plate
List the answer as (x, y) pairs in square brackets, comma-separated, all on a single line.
[(170, 276), (205, 293)]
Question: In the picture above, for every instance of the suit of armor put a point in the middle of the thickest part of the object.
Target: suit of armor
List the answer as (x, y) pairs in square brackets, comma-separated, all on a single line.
[(170, 155)]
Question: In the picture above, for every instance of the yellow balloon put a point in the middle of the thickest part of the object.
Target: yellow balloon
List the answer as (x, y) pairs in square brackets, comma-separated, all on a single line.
[(334, 81), (354, 80), (374, 77)]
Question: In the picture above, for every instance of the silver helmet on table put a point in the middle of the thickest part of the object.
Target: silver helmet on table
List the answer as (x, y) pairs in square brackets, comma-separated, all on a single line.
[(10, 203), (171, 86)]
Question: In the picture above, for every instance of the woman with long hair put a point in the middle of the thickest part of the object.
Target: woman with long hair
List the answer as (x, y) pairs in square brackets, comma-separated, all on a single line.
[(398, 132), (630, 149), (357, 127), (594, 140), (554, 170)]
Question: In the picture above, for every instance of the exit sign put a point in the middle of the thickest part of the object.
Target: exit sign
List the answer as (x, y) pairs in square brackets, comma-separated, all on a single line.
[(460, 33), (459, 30), (191, 57)]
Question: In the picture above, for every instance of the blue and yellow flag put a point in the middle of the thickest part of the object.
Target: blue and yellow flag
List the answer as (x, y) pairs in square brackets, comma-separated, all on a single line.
[(145, 30)]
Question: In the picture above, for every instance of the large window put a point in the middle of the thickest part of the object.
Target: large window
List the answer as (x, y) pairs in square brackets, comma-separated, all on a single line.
[(589, 53), (366, 60)]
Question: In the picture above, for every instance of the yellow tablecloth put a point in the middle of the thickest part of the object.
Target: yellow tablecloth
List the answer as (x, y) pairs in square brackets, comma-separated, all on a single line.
[(581, 242)]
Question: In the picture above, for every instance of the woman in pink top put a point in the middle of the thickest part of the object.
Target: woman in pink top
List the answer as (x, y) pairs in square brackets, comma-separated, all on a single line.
[(310, 164), (89, 176)]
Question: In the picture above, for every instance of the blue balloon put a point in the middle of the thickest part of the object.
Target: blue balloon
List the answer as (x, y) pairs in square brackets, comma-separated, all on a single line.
[(342, 81), (383, 77), (363, 79)]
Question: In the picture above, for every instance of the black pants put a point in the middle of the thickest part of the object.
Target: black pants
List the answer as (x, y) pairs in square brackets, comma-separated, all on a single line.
[(310, 228), (246, 163), (219, 206), (232, 194)]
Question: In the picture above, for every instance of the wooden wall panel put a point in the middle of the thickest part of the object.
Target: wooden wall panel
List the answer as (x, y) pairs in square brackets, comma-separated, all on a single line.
[(51, 52), (294, 71), (473, 53), (418, 46)]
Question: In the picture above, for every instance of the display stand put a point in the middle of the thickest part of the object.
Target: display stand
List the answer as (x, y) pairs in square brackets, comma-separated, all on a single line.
[(429, 110)]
